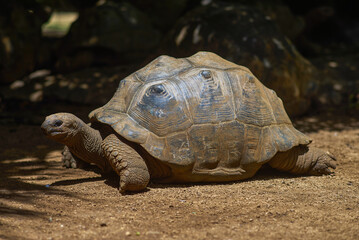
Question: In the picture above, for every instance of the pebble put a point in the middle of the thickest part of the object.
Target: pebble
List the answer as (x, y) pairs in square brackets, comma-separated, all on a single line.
[(333, 64)]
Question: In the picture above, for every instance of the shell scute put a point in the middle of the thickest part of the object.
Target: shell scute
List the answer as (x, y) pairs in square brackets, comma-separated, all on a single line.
[(162, 67), (160, 108), (180, 152)]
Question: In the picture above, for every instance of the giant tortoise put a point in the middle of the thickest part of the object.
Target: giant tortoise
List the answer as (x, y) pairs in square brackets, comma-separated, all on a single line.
[(195, 119)]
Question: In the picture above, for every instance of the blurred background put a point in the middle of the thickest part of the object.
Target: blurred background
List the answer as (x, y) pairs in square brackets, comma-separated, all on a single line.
[(56, 55)]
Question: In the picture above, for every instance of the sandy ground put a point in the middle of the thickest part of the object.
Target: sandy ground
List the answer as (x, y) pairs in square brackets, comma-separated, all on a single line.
[(39, 199)]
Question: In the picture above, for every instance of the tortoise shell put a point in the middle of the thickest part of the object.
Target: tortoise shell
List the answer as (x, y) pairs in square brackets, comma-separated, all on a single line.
[(201, 110)]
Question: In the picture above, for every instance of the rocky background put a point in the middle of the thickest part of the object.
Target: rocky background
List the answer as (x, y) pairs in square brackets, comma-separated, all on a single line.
[(77, 51)]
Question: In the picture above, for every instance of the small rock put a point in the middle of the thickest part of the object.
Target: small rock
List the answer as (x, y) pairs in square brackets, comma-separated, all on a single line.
[(17, 84), (127, 233), (39, 73), (36, 96), (333, 64)]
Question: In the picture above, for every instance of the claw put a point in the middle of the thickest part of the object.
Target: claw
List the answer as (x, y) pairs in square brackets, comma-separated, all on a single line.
[(331, 156), (325, 164)]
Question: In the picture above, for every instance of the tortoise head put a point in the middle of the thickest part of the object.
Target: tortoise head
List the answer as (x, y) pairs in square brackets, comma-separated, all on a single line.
[(62, 127)]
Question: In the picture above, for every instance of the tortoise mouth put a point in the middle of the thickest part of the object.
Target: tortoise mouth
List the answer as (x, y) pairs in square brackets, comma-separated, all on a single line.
[(52, 132), (49, 130)]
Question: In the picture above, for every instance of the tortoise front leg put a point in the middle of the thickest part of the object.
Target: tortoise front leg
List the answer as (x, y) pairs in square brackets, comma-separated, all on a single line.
[(128, 164), (69, 160)]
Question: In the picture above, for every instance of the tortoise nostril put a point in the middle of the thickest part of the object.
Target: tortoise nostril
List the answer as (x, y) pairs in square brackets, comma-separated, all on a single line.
[(58, 123)]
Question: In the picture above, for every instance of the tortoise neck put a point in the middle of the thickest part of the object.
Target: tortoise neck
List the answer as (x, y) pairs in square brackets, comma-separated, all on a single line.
[(87, 146)]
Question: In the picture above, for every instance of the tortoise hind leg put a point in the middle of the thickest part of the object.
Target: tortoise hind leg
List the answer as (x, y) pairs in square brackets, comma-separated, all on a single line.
[(127, 163), (304, 160)]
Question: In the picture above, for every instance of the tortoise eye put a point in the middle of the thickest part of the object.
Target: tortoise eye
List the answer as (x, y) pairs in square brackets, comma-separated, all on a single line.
[(206, 74), (157, 89), (58, 123)]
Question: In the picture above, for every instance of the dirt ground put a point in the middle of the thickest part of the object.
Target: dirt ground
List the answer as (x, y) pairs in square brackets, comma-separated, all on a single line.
[(39, 199)]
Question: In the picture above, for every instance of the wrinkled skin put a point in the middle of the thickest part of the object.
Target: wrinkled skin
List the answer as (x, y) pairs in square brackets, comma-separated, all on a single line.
[(106, 151), (82, 140)]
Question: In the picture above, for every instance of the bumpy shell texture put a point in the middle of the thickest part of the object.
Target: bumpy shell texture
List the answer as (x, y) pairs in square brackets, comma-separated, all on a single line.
[(200, 110)]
